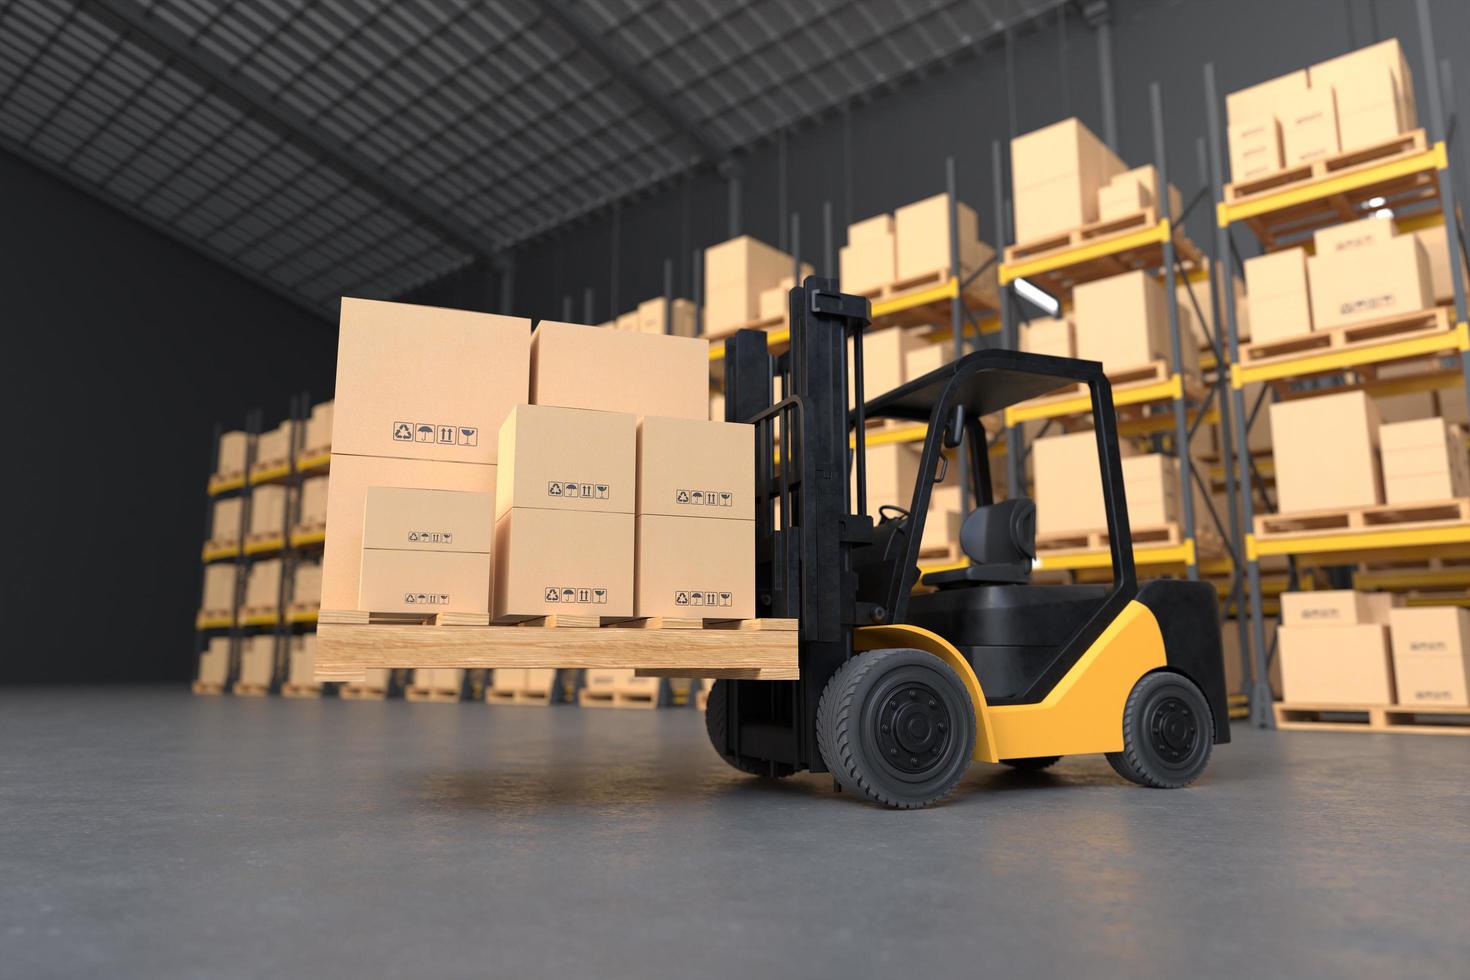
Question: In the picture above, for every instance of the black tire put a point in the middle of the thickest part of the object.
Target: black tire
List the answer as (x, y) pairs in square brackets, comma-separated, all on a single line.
[(716, 715), (1035, 764), (897, 727), (1168, 732)]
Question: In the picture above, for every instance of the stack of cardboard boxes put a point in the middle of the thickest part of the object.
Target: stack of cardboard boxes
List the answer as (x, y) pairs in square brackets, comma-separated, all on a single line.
[(268, 504), (1361, 271), (425, 551), (317, 440), (214, 666), (657, 316), (224, 524), (1069, 497), (217, 604), (262, 589), (1424, 459), (736, 273), (1056, 175), (312, 515), (1353, 101), (272, 449), (1123, 322), (257, 664), (912, 245), (230, 456), (301, 666), (1133, 190)]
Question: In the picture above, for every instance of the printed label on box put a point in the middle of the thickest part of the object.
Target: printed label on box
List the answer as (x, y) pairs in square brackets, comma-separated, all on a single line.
[(436, 432), (426, 598), (576, 595), (702, 497), (696, 597), (431, 537), (573, 488)]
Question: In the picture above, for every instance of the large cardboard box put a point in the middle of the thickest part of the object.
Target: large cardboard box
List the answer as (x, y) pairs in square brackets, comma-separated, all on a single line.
[(1152, 489), (1126, 192), (314, 494), (1424, 459), (399, 580), (347, 496), (257, 660), (736, 272), (567, 459), (695, 567), (1068, 481), (433, 521), (691, 468), (420, 382), (224, 522), (1334, 607), (925, 357), (268, 504), (1259, 101), (1123, 322), (1280, 298), (573, 561), (575, 366), (214, 662), (219, 589), (1056, 173), (866, 267), (1437, 256), (658, 315), (231, 453), (263, 585), (922, 238), (1326, 452), (1336, 664), (886, 360), (1255, 148), (306, 584), (1353, 234), (1056, 337), (1375, 92), (1431, 655), (1369, 282), (1308, 126), (272, 448)]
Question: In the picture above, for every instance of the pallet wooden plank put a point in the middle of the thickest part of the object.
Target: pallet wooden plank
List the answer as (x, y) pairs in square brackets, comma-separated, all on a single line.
[(1401, 517), (1408, 719), (1337, 165)]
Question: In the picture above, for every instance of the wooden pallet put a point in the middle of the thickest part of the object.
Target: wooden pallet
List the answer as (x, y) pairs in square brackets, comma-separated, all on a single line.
[(233, 477), (349, 642), (207, 687), (244, 689), (362, 692), (1337, 165), (431, 695), (1407, 719), (1088, 234), (1397, 517), (301, 691), (639, 700), (314, 528), (597, 699), (266, 466), (1403, 326), (1160, 535)]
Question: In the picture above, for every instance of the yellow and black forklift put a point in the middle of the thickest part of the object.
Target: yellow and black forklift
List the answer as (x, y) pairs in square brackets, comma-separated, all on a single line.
[(905, 679)]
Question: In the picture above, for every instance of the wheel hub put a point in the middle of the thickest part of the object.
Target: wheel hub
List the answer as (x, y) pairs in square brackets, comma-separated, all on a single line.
[(914, 728), (1174, 730)]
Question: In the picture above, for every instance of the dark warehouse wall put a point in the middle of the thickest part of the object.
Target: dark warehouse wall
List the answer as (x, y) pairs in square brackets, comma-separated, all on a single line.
[(123, 349)]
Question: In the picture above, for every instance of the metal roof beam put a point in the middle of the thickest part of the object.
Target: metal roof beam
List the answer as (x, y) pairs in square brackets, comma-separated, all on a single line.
[(592, 44), (179, 50)]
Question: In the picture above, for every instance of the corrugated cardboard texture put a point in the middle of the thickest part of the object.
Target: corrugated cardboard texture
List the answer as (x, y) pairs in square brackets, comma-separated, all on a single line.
[(567, 459), (1308, 126), (427, 582), (608, 370), (347, 495), (696, 469), (1326, 452), (435, 521), (696, 568), (1369, 283), (550, 561), (1255, 148), (1336, 664), (419, 382), (1281, 304), (1431, 655)]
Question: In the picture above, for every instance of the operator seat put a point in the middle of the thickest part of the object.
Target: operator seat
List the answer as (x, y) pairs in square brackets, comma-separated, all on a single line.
[(1000, 541)]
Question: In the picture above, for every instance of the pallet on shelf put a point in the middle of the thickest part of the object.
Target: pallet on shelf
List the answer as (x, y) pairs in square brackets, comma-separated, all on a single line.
[(1403, 326), (1398, 517), (1407, 719), (1088, 234), (1335, 165)]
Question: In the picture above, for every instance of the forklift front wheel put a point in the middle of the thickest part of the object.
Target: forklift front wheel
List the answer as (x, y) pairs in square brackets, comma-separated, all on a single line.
[(896, 726), (1168, 732)]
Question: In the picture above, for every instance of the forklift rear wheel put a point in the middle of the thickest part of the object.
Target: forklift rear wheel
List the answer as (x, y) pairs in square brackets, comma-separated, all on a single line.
[(1035, 764), (716, 721), (896, 726), (1168, 732)]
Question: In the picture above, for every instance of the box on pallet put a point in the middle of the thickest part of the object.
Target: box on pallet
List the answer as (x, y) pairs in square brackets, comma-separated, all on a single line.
[(1123, 322), (1374, 89), (1336, 607), (1353, 234), (1234, 672), (1056, 173), (1431, 655), (224, 522), (1053, 336), (302, 661), (1069, 496), (268, 505), (736, 272), (565, 502), (263, 587), (1259, 101), (314, 494), (1132, 190), (1281, 303), (1255, 148), (1335, 664), (886, 359), (257, 661), (922, 241), (214, 662), (1369, 282), (922, 358), (306, 585), (1424, 459), (218, 599), (576, 366), (1308, 126), (272, 448), (318, 439), (1193, 293), (426, 551), (231, 453), (867, 262), (1437, 258), (658, 315), (1326, 452)]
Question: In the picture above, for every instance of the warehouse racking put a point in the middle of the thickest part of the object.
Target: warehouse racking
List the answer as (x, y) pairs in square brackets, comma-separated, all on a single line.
[(1413, 178)]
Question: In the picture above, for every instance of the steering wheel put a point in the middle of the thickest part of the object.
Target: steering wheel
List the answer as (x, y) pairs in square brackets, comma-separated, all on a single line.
[(902, 518)]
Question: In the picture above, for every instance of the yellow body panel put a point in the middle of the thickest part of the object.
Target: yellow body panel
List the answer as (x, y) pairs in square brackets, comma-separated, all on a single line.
[(1082, 714)]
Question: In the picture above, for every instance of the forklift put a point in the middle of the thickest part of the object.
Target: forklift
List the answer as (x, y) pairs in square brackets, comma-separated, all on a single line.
[(905, 679)]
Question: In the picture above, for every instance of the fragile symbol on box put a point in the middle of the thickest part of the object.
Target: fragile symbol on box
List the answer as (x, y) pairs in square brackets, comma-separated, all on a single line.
[(727, 499), (469, 437), (599, 595), (425, 598), (402, 432), (603, 491)]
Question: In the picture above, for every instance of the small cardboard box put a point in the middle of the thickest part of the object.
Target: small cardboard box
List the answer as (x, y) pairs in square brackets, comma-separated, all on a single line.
[(214, 662), (1152, 490), (1369, 282), (319, 429), (1069, 494), (1259, 101), (397, 580), (347, 497), (866, 266), (1353, 234), (420, 382), (1116, 198), (574, 366), (1424, 459), (550, 561), (1308, 126), (1055, 336), (231, 453), (1431, 655), (691, 567), (263, 585), (567, 459), (696, 469), (1331, 607), (922, 239), (1056, 173), (1374, 89), (436, 521), (885, 360), (257, 660), (1122, 321), (314, 494), (273, 448), (268, 509), (1255, 148), (224, 522), (219, 589), (1326, 452), (657, 316), (1336, 664), (1280, 298), (1437, 257)]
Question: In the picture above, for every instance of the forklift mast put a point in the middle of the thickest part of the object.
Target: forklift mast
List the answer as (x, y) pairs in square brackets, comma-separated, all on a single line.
[(806, 524)]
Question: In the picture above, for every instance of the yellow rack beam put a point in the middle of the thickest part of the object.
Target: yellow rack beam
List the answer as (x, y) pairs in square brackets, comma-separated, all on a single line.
[(266, 545), (313, 462), (215, 623), (262, 619), (308, 538), (1351, 541), (1457, 338), (303, 616), (216, 554), (1011, 271), (1166, 390), (1434, 158), (217, 487), (1437, 600), (270, 473), (1402, 580), (948, 289)]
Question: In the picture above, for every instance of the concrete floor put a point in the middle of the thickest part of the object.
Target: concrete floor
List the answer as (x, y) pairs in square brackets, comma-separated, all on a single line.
[(152, 833)]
